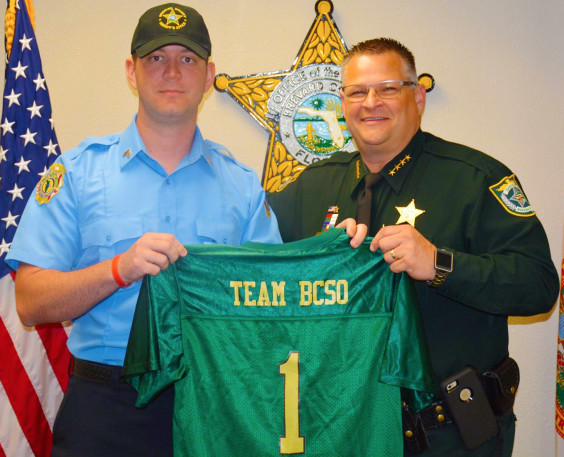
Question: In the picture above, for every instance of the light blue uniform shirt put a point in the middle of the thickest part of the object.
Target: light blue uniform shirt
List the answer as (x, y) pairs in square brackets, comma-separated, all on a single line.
[(112, 193)]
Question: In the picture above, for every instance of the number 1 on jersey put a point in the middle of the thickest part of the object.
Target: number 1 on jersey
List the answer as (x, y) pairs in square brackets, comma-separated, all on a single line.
[(291, 442)]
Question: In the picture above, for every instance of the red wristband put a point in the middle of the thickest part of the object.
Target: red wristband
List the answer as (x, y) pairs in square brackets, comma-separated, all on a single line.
[(115, 273)]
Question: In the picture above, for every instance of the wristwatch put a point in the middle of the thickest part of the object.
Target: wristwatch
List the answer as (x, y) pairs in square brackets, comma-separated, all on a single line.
[(443, 267)]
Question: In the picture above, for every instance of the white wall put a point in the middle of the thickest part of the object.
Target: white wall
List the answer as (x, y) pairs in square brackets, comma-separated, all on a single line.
[(499, 69)]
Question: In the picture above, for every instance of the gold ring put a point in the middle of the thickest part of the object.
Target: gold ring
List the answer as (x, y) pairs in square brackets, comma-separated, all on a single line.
[(393, 255)]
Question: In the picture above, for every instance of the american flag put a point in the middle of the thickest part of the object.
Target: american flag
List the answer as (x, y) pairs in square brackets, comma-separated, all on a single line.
[(34, 361)]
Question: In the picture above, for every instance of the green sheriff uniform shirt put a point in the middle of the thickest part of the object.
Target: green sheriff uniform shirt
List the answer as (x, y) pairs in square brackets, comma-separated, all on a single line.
[(293, 349), (461, 200)]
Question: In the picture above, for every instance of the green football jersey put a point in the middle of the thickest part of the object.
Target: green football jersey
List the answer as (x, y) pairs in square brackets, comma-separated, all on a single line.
[(276, 350)]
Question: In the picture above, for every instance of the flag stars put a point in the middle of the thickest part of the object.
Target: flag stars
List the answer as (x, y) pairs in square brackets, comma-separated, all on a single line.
[(25, 42), (4, 247), (10, 220), (44, 172), (28, 137), (16, 192), (51, 148), (39, 82), (3, 153), (13, 98), (20, 70), (22, 165), (6, 126), (35, 110)]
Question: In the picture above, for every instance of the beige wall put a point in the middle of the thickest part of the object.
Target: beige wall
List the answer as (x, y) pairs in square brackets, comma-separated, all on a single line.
[(499, 69)]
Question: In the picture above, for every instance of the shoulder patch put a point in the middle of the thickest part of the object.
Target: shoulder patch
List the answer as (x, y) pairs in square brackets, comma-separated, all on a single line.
[(49, 185), (511, 196)]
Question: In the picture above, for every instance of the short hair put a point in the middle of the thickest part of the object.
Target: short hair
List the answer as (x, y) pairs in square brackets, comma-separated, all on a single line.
[(381, 46)]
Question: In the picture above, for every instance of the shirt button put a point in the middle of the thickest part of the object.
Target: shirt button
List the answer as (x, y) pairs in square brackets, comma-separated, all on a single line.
[(167, 181), (167, 218), (108, 238)]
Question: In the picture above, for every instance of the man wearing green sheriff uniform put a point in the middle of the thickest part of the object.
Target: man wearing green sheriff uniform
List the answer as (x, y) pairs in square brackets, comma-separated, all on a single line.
[(453, 218)]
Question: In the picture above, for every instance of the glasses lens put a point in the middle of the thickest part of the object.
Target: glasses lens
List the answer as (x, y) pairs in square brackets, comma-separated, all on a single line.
[(388, 89), (356, 93), (384, 89)]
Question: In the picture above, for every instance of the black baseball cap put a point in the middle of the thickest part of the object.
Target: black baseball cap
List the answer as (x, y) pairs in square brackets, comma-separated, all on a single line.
[(171, 23)]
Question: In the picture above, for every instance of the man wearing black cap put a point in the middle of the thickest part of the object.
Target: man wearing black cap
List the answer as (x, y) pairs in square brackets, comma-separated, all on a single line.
[(117, 208)]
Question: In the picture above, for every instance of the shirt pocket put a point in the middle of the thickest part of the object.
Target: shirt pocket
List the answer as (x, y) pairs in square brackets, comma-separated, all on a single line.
[(213, 232), (111, 236)]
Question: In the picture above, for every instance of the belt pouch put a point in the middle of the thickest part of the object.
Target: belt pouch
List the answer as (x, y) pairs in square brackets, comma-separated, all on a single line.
[(500, 384)]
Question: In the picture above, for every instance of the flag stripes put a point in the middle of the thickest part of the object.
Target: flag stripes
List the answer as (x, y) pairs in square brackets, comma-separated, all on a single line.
[(33, 361)]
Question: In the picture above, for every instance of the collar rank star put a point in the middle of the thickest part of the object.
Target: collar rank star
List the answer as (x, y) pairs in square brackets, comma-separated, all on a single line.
[(399, 165), (408, 213)]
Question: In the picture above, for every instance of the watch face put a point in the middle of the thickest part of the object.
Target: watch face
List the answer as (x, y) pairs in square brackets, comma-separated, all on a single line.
[(444, 260)]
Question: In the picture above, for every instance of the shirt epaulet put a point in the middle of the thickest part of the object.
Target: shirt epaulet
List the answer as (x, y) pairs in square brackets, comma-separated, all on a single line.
[(225, 153), (339, 157), (464, 154), (91, 141)]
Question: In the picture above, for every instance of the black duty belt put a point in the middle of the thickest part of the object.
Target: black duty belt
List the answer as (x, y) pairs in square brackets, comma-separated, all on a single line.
[(414, 425), (97, 372), (435, 416)]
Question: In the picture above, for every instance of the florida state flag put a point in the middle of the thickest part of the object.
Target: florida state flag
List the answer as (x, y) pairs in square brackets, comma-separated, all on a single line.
[(560, 362)]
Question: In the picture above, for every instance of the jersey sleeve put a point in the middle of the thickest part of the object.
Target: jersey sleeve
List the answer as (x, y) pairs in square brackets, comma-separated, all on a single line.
[(154, 357), (507, 268), (406, 362)]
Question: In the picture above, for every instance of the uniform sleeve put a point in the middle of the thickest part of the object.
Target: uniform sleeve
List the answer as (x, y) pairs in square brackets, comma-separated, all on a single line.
[(154, 357), (406, 362), (507, 268), (48, 234), (262, 226), (283, 204)]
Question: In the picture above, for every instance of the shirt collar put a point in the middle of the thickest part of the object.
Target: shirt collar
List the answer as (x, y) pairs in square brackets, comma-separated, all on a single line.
[(131, 144), (395, 172)]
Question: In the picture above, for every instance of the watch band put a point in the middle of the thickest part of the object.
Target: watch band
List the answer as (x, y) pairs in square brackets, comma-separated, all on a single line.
[(438, 280)]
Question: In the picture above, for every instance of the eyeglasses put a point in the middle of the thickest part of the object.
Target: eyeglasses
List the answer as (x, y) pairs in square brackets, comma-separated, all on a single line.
[(384, 89)]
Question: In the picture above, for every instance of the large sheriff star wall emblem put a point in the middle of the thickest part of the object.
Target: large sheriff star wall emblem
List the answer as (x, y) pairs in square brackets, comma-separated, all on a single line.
[(300, 107)]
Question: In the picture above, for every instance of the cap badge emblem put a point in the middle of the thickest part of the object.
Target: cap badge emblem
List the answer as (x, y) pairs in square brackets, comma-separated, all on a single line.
[(172, 18)]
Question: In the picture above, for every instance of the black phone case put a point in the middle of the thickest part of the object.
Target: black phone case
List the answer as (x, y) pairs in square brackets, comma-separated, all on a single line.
[(474, 417)]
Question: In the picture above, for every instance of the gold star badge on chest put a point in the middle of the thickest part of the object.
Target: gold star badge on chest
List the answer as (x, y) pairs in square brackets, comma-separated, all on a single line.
[(408, 213)]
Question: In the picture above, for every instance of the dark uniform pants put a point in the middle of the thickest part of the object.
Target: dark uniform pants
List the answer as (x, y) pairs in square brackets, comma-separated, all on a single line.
[(101, 420)]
